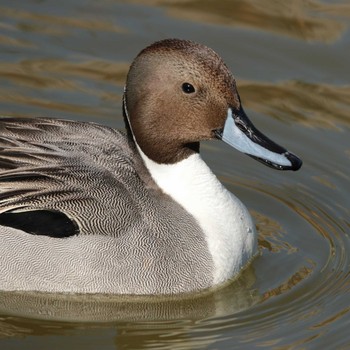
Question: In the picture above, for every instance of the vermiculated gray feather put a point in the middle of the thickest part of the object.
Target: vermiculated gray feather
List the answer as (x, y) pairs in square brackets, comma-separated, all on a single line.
[(93, 175)]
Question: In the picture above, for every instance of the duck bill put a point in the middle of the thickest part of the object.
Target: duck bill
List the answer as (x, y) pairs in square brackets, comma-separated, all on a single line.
[(240, 133)]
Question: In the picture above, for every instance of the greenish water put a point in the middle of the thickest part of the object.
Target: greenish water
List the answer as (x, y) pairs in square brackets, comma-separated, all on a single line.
[(69, 59)]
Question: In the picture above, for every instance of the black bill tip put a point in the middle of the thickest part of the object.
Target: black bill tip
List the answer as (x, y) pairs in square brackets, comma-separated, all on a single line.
[(295, 162)]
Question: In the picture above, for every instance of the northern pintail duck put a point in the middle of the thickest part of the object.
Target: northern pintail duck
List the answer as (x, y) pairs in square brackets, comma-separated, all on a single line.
[(89, 209)]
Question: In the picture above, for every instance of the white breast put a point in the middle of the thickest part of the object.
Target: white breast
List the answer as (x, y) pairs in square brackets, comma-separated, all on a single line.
[(224, 220)]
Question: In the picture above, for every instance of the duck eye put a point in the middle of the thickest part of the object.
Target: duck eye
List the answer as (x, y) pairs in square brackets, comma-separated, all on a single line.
[(188, 88)]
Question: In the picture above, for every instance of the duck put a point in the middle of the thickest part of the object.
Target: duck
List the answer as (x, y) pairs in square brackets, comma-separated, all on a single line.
[(85, 208)]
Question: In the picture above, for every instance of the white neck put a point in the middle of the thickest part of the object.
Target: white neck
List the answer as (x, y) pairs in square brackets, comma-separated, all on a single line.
[(225, 221)]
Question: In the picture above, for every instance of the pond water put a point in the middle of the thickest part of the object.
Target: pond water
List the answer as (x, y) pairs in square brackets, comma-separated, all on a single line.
[(69, 59)]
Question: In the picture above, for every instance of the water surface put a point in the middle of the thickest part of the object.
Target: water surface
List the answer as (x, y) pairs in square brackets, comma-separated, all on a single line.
[(69, 59)]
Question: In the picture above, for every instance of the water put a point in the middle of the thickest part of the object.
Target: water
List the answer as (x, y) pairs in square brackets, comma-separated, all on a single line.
[(291, 60)]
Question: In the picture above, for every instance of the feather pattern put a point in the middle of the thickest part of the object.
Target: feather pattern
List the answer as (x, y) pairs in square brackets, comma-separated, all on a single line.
[(91, 175), (50, 165)]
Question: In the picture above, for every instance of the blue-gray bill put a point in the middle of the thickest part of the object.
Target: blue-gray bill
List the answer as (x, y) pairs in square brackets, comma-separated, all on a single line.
[(240, 133)]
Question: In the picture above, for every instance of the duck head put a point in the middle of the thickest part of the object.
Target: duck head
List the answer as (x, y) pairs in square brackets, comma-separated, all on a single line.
[(179, 93)]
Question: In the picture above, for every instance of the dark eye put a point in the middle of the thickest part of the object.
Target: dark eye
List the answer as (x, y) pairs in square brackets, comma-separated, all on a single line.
[(188, 88)]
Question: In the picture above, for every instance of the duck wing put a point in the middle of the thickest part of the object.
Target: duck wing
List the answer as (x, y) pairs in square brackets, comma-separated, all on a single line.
[(61, 178)]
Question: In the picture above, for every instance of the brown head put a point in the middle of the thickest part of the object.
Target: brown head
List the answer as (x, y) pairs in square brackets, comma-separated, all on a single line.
[(178, 93)]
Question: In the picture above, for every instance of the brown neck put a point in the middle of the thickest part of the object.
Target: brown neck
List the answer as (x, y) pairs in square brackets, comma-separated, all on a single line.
[(159, 149)]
